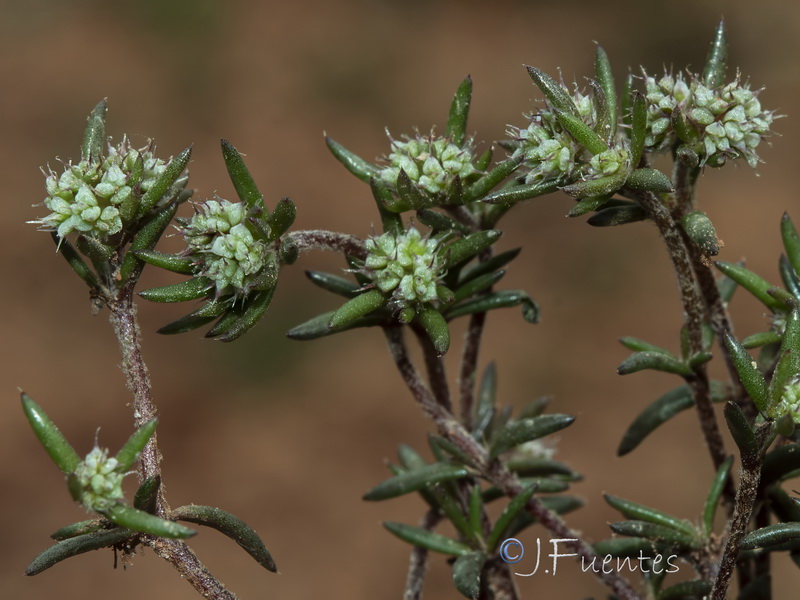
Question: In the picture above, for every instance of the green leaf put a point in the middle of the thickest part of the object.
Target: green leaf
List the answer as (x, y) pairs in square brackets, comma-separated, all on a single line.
[(605, 79), (583, 134), (517, 193), (763, 338), (752, 379), (440, 222), (791, 242), (467, 573), (357, 166), (439, 445), (778, 533), (649, 180), (655, 532), (485, 406), (542, 467), (96, 250), (469, 246), (488, 266), (557, 504), (789, 276), (191, 289), (597, 187), (558, 97), (459, 111), (255, 308), (240, 176), (94, 136), (281, 218), (163, 184), (170, 262), (416, 479), (77, 545), (81, 528), (147, 495), (637, 345), (477, 285), (137, 520), (700, 230), (753, 283), (75, 261), (427, 539), (202, 316), (524, 430), (479, 189), (51, 438), (385, 200), (436, 328), (333, 283), (502, 299), (145, 239), (589, 204), (622, 547), (655, 415), (511, 511), (638, 127), (714, 494), (128, 454), (716, 63), (356, 308), (742, 432), (231, 526), (410, 194), (657, 361), (779, 464), (633, 510)]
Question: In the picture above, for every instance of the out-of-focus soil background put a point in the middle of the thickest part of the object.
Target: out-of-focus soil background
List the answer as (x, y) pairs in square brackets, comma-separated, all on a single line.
[(290, 435)]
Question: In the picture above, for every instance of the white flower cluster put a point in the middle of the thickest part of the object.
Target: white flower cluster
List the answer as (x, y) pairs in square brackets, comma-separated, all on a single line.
[(87, 197), (99, 480), (728, 120), (407, 265), (223, 247), (431, 162)]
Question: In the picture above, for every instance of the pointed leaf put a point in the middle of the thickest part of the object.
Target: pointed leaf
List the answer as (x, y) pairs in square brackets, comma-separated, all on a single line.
[(416, 479), (777, 533), (517, 193), (137, 520), (459, 111), (410, 193), (524, 430), (467, 573), (255, 309), (281, 218), (77, 545), (503, 299), (700, 230), (135, 444), (162, 185), (469, 246), (652, 531), (240, 176), (605, 79), (649, 180), (74, 260), (427, 539), (357, 166), (436, 327), (147, 495), (145, 239), (558, 97), (716, 63), (742, 432), (637, 345), (170, 262), (753, 283), (583, 134), (789, 276), (355, 308), (635, 511), (791, 242), (94, 136), (486, 183), (751, 377), (477, 285), (51, 438), (638, 127), (488, 266), (597, 187), (657, 361), (81, 528), (333, 283), (191, 289), (714, 494), (231, 526), (511, 511), (589, 204)]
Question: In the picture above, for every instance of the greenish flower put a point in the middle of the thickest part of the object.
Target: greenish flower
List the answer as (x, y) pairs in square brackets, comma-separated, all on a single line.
[(551, 154), (790, 402), (99, 481), (93, 197), (224, 249), (728, 120), (433, 163), (405, 265)]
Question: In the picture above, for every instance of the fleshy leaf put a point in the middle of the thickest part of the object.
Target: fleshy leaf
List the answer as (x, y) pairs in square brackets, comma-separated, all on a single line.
[(240, 176), (524, 430), (467, 573), (77, 545), (411, 481), (427, 539), (54, 442)]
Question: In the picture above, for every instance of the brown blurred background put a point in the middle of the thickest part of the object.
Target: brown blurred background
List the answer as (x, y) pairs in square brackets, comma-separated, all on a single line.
[(290, 435)]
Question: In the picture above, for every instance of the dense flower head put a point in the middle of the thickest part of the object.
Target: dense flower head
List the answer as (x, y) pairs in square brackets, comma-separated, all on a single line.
[(223, 247), (790, 402), (728, 120), (87, 197), (406, 265), (99, 480), (431, 162)]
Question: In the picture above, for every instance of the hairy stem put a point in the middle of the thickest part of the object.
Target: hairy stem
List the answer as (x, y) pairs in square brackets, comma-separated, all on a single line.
[(494, 471), (181, 557), (319, 239), (467, 372), (418, 561)]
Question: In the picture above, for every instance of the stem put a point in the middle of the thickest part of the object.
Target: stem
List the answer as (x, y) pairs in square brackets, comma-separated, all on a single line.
[(469, 362), (418, 561), (694, 309), (494, 471), (743, 511), (319, 239), (434, 365), (176, 552)]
